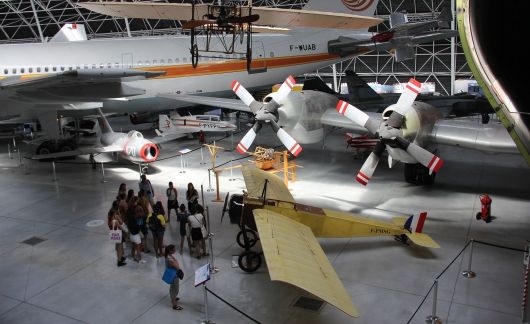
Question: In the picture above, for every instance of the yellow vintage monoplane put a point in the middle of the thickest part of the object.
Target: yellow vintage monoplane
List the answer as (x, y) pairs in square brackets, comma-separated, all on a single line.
[(287, 232)]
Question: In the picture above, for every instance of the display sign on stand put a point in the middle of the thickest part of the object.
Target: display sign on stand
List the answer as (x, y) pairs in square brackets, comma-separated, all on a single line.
[(202, 274)]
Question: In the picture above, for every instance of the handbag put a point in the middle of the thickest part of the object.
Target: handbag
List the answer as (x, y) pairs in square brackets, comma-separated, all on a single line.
[(169, 275), (204, 232), (180, 274), (115, 235)]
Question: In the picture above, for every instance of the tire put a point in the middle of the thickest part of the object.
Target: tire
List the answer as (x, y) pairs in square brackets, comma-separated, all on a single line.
[(45, 148), (488, 219), (251, 235), (479, 215), (411, 173), (249, 261), (194, 56)]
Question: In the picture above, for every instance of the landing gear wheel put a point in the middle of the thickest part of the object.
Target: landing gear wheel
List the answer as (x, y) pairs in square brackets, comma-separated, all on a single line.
[(488, 219), (479, 215), (249, 261), (251, 237), (194, 55), (45, 148), (249, 59)]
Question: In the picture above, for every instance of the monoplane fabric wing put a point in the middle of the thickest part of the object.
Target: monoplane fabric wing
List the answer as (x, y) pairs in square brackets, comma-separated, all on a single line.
[(288, 18), (294, 256), (255, 182), (234, 104)]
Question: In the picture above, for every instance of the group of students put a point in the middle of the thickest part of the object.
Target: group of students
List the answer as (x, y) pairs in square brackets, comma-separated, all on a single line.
[(136, 215)]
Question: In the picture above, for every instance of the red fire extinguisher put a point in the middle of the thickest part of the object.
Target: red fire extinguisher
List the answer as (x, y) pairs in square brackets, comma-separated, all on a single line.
[(485, 211)]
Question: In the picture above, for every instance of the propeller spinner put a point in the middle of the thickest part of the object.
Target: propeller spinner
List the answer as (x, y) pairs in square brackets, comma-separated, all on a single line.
[(266, 113), (389, 132)]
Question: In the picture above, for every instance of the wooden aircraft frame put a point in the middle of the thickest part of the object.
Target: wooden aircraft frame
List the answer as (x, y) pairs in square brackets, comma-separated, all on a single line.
[(219, 30)]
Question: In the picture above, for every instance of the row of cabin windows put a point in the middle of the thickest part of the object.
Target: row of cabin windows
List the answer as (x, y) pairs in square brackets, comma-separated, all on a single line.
[(46, 69)]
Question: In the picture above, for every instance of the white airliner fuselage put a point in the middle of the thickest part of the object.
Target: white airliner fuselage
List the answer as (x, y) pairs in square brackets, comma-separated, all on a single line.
[(295, 53)]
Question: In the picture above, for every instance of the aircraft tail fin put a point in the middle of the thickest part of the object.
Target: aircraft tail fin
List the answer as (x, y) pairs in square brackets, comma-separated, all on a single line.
[(415, 223), (104, 125), (353, 7), (359, 90), (70, 33), (165, 124), (318, 85)]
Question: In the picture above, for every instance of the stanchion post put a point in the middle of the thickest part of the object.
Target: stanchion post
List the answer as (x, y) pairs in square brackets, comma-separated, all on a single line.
[(103, 173), (207, 319), (202, 156), (209, 181), (9, 150), (468, 273), (433, 319), (54, 175), (182, 163), (213, 268)]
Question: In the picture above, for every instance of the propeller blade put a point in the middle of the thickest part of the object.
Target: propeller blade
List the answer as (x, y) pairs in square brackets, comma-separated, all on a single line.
[(248, 139), (424, 157), (245, 96), (284, 89), (408, 96), (286, 139), (368, 168), (357, 116), (197, 23), (224, 206), (242, 20)]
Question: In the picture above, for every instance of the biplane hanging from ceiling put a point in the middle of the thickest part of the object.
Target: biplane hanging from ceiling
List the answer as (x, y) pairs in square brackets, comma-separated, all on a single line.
[(229, 23)]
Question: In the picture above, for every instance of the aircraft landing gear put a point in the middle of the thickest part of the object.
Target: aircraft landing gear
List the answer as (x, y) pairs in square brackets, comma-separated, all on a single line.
[(418, 174), (252, 238), (402, 238), (249, 261)]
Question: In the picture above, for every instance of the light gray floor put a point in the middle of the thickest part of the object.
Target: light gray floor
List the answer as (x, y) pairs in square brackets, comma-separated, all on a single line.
[(72, 276)]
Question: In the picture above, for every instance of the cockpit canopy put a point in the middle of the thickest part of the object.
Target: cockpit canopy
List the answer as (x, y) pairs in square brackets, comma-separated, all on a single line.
[(135, 134)]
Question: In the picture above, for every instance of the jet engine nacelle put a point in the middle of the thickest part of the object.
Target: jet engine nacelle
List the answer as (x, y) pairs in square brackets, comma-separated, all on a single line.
[(141, 150)]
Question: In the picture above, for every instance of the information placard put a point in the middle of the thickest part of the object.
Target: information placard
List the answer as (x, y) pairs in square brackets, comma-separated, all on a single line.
[(202, 274)]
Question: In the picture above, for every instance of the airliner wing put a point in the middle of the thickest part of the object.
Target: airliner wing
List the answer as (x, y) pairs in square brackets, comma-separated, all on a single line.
[(82, 85), (267, 16), (234, 104), (294, 256)]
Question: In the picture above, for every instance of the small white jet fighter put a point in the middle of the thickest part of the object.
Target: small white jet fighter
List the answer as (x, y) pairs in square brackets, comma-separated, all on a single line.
[(181, 125)]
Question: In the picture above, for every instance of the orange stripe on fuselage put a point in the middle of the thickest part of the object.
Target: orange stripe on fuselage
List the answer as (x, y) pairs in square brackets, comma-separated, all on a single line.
[(209, 68)]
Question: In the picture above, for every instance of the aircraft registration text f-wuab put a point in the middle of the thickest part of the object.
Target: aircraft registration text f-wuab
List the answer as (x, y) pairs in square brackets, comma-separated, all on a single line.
[(126, 74)]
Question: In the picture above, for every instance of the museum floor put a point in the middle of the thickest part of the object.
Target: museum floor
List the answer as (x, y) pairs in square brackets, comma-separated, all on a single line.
[(71, 277)]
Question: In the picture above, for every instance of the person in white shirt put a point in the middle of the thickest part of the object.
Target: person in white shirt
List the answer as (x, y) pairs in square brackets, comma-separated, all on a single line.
[(197, 221)]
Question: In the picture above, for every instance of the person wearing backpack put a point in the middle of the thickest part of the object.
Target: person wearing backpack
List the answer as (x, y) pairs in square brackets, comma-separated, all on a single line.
[(157, 224)]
